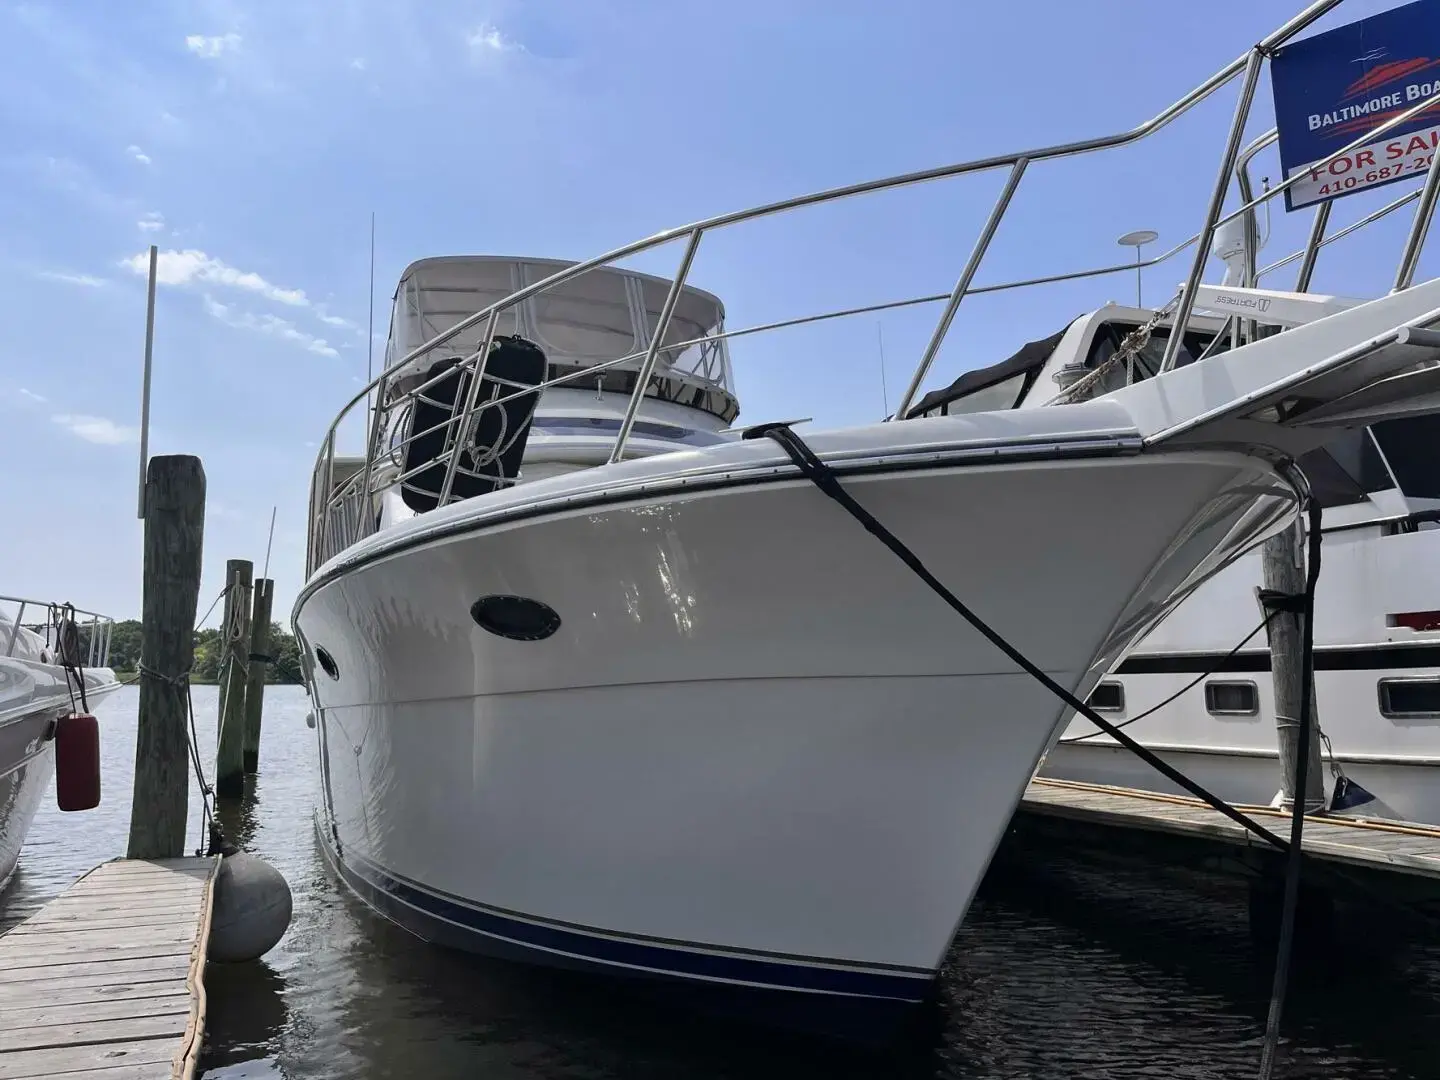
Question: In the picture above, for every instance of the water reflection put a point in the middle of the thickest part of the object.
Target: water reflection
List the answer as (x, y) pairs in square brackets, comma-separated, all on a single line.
[(1072, 964), (239, 818)]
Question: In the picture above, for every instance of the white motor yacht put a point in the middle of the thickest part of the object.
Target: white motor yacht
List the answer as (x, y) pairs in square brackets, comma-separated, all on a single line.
[(602, 681)]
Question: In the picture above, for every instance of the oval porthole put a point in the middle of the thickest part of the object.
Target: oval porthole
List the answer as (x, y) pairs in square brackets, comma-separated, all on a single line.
[(327, 662), (515, 617)]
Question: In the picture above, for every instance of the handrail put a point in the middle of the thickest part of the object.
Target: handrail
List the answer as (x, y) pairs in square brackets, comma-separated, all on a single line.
[(101, 626), (1235, 160), (982, 244), (1315, 11), (1253, 62), (1385, 210), (30, 602)]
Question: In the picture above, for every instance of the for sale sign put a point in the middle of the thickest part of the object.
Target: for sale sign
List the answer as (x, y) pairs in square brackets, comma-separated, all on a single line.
[(1333, 88)]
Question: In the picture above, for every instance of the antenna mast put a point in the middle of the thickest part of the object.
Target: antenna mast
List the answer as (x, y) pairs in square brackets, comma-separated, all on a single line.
[(880, 340)]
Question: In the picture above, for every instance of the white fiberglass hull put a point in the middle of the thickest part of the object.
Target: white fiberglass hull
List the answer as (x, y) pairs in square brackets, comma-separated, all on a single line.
[(757, 751), (1367, 576)]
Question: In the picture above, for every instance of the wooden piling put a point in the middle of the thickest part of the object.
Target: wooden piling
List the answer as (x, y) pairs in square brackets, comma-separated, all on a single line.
[(259, 668), (1284, 573), (174, 533), (234, 675)]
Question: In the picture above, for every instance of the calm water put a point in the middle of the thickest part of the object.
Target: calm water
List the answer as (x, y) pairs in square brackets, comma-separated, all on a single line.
[(1071, 964)]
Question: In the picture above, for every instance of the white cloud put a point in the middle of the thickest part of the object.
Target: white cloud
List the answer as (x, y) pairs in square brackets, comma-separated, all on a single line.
[(87, 280), (208, 48), (192, 266), (336, 320), (96, 429), (137, 155), (486, 38), (153, 221), (268, 324), (358, 63), (41, 398)]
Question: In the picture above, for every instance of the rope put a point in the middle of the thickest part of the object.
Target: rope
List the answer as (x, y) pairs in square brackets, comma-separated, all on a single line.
[(821, 475), (211, 609), (237, 642), (67, 652), (1178, 693), (182, 682), (214, 841), (1132, 346), (824, 478)]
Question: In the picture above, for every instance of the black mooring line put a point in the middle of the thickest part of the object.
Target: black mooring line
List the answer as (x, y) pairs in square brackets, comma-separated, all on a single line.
[(824, 478)]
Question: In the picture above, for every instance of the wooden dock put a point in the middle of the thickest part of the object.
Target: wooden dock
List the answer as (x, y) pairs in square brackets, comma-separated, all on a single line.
[(1412, 850), (105, 981)]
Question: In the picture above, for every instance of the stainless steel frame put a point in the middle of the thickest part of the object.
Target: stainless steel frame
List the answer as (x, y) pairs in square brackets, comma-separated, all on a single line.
[(101, 627), (328, 501)]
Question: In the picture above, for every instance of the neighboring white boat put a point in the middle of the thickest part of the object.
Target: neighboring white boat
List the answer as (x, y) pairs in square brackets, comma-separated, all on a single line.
[(615, 687), (1211, 714), (36, 688)]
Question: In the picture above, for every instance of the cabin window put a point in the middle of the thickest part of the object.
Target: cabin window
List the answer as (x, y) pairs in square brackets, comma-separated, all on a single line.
[(1001, 395), (1346, 469), (1147, 361), (1235, 697), (1108, 697), (1410, 698)]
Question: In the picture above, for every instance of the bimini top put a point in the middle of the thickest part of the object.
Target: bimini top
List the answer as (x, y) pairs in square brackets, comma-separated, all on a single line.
[(602, 315)]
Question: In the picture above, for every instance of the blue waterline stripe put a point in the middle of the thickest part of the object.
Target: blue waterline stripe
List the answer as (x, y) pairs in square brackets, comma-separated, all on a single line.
[(632, 954)]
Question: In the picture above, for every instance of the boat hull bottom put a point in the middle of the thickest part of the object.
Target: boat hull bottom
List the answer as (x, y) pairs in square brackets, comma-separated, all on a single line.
[(866, 1021)]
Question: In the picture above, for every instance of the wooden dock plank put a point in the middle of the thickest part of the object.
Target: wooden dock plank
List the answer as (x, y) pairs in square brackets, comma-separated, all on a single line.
[(23, 1064), (52, 1013), (88, 1032), (96, 989), (1390, 846), (107, 979), (114, 970)]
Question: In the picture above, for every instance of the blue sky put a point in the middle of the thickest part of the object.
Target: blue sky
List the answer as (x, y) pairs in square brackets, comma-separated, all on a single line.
[(251, 139)]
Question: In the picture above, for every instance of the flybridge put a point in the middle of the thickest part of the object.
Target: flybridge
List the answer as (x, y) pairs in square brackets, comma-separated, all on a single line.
[(1412, 93)]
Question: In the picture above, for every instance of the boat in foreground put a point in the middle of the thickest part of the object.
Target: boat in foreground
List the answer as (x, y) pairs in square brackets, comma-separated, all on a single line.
[(602, 682), (51, 665)]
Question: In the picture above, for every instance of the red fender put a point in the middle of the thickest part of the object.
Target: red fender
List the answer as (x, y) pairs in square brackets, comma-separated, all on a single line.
[(77, 762)]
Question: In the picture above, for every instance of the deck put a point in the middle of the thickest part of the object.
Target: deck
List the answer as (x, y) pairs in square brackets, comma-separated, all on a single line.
[(1412, 850), (105, 981)]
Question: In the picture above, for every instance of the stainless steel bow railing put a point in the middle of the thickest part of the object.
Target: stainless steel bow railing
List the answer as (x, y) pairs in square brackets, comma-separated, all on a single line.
[(96, 628), (342, 514)]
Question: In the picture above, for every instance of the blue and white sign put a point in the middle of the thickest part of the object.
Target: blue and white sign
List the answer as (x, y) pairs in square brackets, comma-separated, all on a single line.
[(1332, 88)]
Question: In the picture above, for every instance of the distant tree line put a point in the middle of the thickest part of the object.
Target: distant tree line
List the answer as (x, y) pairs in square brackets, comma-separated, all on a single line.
[(284, 668)]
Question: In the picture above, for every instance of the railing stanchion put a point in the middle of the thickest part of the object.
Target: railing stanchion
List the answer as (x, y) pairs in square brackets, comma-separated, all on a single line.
[(1313, 246), (462, 419), (647, 366), (1419, 229), (1217, 203), (15, 630), (957, 294), (372, 438)]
